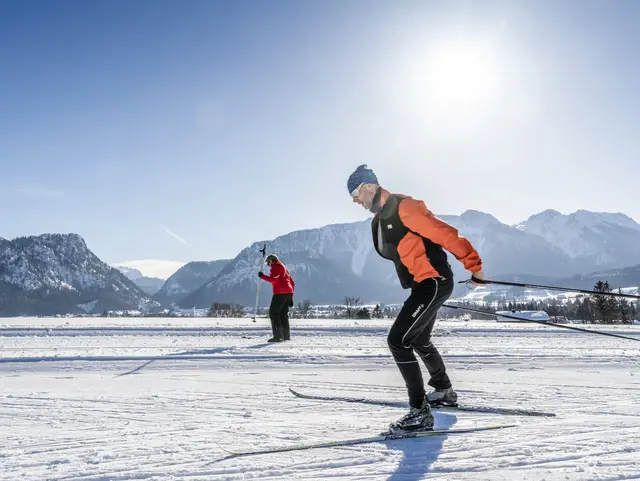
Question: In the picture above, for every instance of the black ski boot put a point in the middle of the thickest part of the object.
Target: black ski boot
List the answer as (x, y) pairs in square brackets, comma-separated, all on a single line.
[(418, 419)]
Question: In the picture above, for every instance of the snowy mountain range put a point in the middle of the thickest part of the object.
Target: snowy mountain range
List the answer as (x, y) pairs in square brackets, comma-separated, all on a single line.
[(590, 240), (317, 277), (327, 264), (339, 260), (150, 285), (56, 273)]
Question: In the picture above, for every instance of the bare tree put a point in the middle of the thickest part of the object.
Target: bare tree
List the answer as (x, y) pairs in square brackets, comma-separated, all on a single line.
[(221, 309), (351, 305), (304, 307)]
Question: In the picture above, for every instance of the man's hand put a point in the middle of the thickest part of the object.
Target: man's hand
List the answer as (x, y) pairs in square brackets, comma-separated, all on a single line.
[(477, 275), (260, 274)]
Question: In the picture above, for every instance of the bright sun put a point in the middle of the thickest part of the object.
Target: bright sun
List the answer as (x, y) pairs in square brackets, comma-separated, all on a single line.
[(457, 80)]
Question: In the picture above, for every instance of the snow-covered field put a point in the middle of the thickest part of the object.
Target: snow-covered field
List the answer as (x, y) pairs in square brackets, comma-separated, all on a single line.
[(127, 399)]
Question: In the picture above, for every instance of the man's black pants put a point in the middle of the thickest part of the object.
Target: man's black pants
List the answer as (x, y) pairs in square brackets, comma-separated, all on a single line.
[(411, 332), (279, 315)]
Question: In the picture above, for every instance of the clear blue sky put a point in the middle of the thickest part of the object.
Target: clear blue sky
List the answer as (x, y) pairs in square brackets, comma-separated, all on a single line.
[(185, 130)]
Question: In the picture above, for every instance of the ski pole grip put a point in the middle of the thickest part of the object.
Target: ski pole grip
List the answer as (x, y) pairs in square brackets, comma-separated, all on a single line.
[(476, 280), (479, 281), (473, 279)]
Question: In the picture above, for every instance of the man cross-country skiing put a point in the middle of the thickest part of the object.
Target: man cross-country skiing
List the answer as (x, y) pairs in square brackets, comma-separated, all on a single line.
[(407, 233), (282, 300)]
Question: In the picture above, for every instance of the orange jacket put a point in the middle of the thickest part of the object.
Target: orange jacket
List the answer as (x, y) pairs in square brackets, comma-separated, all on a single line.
[(408, 233)]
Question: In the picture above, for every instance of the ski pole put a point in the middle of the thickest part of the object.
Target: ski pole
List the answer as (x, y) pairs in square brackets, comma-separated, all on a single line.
[(537, 286), (563, 326), (255, 307)]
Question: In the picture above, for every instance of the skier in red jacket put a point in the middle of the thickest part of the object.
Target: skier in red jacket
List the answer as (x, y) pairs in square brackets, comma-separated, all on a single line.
[(282, 299)]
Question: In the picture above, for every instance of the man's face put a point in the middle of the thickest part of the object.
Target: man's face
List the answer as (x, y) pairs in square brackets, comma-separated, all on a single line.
[(364, 194)]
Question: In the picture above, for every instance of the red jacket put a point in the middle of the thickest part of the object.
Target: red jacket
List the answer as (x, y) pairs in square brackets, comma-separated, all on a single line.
[(280, 279)]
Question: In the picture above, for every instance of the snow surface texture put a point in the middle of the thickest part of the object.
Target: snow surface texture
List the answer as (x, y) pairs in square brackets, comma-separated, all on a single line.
[(125, 399)]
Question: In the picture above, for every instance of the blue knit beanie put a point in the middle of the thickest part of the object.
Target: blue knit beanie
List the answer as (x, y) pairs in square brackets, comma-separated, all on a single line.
[(362, 175)]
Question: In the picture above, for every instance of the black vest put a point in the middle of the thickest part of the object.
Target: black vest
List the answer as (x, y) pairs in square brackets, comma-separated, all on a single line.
[(388, 230)]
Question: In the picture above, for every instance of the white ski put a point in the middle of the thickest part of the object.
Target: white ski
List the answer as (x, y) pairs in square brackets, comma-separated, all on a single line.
[(372, 439), (455, 407)]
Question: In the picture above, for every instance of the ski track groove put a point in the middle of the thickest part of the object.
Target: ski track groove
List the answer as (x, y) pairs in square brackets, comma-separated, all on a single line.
[(131, 434)]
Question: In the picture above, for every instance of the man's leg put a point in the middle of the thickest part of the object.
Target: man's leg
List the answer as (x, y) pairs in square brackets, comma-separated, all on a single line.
[(284, 318), (274, 314), (409, 322), (409, 332), (420, 338), (403, 353)]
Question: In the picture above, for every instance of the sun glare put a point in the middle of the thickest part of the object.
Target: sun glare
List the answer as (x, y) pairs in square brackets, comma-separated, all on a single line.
[(455, 81), (461, 78)]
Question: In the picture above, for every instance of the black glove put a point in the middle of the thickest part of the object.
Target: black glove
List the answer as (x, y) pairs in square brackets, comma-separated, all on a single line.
[(260, 274), (291, 302)]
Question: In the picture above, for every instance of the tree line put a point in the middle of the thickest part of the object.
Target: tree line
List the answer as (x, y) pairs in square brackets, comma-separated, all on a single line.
[(596, 308)]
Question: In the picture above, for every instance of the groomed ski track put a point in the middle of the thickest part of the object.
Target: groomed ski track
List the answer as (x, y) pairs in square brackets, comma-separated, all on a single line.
[(149, 399)]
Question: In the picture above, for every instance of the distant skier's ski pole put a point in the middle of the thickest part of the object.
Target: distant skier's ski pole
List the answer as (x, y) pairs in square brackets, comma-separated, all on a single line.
[(255, 307), (563, 326), (554, 288)]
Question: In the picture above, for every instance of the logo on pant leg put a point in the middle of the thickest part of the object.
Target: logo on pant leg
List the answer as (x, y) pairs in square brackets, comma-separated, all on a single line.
[(417, 311)]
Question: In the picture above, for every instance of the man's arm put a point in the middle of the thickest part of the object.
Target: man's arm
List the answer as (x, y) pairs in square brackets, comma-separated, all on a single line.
[(276, 272), (415, 216)]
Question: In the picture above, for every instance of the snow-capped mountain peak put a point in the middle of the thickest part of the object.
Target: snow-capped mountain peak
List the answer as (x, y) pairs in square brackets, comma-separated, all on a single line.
[(478, 219), (58, 273), (596, 220), (130, 272), (600, 238), (327, 263)]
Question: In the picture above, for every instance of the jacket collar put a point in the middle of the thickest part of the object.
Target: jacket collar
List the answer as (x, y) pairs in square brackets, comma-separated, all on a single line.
[(379, 200)]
